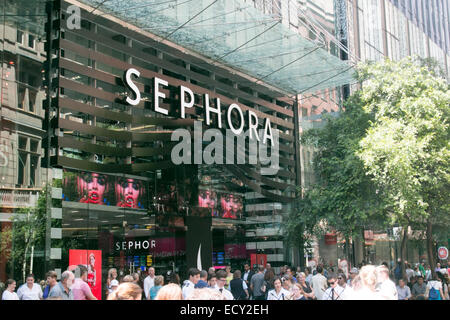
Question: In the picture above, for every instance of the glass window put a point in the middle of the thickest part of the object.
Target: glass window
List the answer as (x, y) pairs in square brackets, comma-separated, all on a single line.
[(23, 143), (31, 41), (19, 37), (21, 167)]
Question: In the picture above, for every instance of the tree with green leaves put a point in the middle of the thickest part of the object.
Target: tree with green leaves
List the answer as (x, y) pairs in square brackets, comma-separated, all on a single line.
[(406, 148), (343, 197), (27, 234)]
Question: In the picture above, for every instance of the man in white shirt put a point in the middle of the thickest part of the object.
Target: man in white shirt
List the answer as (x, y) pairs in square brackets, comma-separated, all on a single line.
[(409, 272), (221, 281), (30, 290), (335, 291), (319, 283), (149, 282), (385, 286), (189, 285)]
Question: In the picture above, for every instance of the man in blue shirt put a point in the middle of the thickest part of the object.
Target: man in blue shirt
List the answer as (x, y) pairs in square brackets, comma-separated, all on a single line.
[(202, 283)]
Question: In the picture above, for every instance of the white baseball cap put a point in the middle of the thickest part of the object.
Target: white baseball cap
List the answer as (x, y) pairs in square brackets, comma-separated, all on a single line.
[(114, 283)]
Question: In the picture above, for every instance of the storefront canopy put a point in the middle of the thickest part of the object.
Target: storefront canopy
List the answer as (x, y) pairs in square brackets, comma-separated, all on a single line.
[(235, 34)]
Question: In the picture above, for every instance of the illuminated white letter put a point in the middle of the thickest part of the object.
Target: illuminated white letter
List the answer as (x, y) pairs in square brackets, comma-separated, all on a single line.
[(157, 95), (130, 84), (208, 109), (185, 104)]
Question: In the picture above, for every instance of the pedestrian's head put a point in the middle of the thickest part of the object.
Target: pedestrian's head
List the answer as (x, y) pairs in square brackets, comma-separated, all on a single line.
[(368, 277), (174, 278), (51, 277), (268, 266), (221, 276), (277, 283), (126, 291), (128, 278), (171, 291), (438, 265), (332, 280), (237, 274), (260, 268), (319, 269), (419, 280), (287, 283), (30, 280), (228, 269), (194, 275), (67, 278), (308, 270), (342, 279), (212, 280), (81, 272), (159, 280), (301, 277), (205, 294), (382, 273), (288, 270), (401, 283), (112, 273), (11, 284), (135, 277), (297, 290), (211, 270), (246, 267), (151, 271), (203, 275)]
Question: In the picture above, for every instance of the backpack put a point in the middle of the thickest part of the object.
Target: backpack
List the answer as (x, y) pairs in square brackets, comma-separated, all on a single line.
[(434, 294)]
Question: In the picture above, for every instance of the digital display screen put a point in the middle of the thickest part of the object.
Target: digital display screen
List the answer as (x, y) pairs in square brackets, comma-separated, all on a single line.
[(102, 189), (220, 204)]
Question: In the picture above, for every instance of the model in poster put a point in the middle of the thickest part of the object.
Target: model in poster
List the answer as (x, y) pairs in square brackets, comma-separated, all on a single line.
[(92, 275), (128, 193), (92, 187), (227, 203)]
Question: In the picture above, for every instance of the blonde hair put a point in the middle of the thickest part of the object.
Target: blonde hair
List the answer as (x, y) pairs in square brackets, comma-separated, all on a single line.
[(205, 294), (126, 291), (110, 271), (368, 277), (159, 280), (171, 291), (128, 278)]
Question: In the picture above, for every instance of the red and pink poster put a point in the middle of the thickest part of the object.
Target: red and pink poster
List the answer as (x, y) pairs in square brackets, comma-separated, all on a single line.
[(92, 260)]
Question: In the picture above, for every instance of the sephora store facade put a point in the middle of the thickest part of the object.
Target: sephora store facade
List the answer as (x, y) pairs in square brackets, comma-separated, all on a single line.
[(112, 113)]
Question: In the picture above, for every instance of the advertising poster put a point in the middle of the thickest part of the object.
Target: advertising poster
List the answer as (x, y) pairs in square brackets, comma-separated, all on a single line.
[(107, 190), (221, 205), (92, 260)]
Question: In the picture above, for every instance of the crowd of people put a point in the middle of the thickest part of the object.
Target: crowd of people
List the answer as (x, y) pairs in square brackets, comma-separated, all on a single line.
[(369, 282)]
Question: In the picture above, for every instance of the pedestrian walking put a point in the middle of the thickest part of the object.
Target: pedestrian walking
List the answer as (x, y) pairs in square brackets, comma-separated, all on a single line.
[(221, 281), (188, 286), (257, 284), (238, 287), (306, 288), (159, 282), (81, 289), (404, 293), (30, 290), (203, 282), (9, 293), (52, 280), (419, 289), (126, 291), (149, 282), (319, 283), (63, 289), (171, 291), (278, 292)]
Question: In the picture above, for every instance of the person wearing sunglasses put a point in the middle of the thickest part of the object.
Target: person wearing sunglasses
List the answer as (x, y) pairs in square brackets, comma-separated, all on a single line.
[(334, 291)]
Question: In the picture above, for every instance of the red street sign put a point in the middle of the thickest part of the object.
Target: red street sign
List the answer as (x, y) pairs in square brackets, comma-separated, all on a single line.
[(443, 253)]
